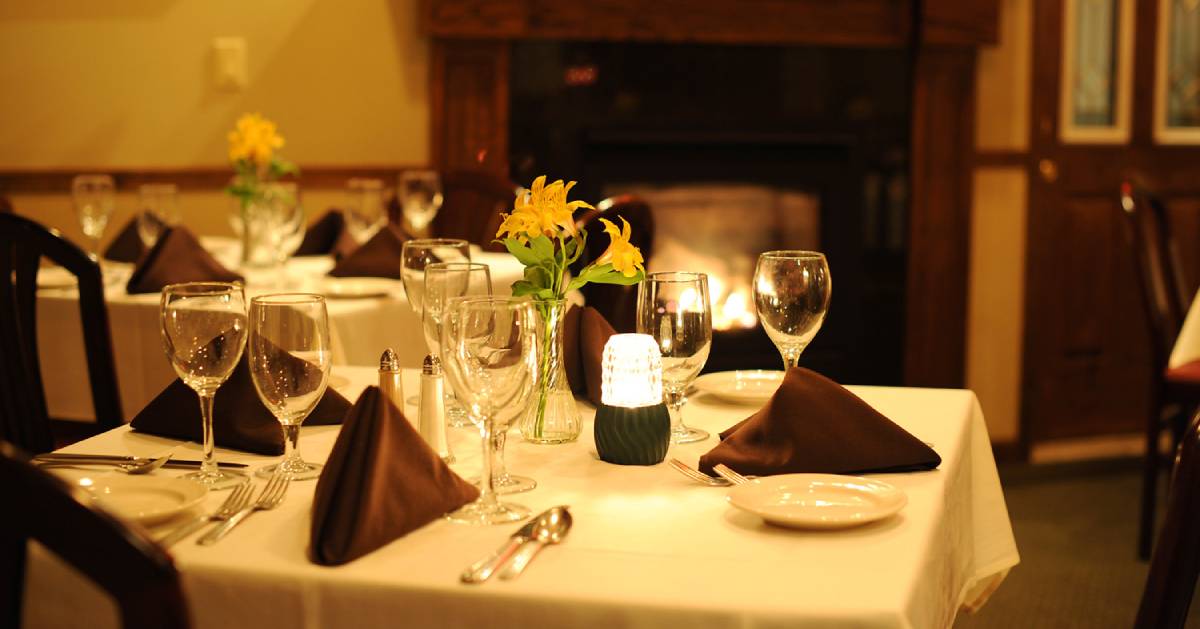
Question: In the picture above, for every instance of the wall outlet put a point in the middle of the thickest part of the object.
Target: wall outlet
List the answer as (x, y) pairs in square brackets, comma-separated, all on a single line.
[(229, 63)]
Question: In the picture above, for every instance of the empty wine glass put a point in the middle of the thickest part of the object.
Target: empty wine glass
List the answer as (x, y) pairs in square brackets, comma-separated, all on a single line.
[(419, 253), (791, 293), (289, 364), (365, 210), (489, 346), (158, 209), (674, 308), (289, 226), (420, 195), (204, 332), (93, 196)]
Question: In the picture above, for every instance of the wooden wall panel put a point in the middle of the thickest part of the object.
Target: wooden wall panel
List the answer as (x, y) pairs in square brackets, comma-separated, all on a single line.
[(470, 105)]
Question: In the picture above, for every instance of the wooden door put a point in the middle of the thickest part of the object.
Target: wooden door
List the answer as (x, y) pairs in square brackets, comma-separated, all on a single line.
[(1087, 359)]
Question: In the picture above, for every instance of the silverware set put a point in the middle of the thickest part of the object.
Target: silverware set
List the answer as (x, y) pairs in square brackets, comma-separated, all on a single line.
[(272, 495), (510, 560), (57, 459), (725, 476)]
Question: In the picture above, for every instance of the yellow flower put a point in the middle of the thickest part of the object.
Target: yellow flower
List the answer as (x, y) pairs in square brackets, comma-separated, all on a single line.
[(625, 258), (542, 210), (255, 139)]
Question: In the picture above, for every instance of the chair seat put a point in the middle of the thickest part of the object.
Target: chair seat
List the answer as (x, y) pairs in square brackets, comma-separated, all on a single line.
[(1184, 381)]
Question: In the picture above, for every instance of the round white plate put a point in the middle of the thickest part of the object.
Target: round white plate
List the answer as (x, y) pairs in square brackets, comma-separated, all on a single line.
[(818, 501), (146, 499), (359, 287), (753, 386)]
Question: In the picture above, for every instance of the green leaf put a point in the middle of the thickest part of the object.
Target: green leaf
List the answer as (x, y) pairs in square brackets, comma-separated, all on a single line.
[(542, 247), (520, 288), (604, 274), (575, 284), (538, 276), (521, 252)]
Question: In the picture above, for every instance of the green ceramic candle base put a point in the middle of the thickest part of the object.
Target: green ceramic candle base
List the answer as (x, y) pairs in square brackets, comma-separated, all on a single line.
[(632, 436)]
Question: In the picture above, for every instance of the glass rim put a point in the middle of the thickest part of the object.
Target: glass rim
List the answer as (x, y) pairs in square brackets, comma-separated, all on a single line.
[(470, 266), (792, 254), (676, 276), (506, 300), (283, 299), (435, 241), (204, 288)]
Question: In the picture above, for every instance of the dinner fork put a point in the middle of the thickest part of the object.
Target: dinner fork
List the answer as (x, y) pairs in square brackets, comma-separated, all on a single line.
[(270, 498), (236, 501), (697, 475), (724, 471)]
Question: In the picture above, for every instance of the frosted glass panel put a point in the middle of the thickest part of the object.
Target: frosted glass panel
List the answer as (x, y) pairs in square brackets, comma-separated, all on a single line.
[(1093, 75), (1183, 64)]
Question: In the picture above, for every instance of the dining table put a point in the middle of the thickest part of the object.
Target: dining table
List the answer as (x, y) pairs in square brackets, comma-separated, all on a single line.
[(365, 316), (649, 547), (1187, 344)]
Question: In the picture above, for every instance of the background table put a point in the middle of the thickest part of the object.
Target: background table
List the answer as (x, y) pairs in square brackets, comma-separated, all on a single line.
[(1187, 344), (649, 548), (361, 329)]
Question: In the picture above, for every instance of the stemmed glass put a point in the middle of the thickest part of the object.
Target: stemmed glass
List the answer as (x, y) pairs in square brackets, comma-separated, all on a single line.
[(791, 293), (204, 332), (490, 350), (445, 281), (289, 229), (420, 195), (417, 254), (365, 211), (93, 196), (158, 209), (674, 309), (289, 364)]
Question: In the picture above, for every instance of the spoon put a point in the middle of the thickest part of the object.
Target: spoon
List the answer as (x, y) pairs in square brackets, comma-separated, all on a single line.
[(550, 528), (132, 467)]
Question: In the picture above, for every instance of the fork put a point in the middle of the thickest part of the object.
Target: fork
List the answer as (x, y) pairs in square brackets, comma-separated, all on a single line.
[(728, 474), (270, 498), (236, 501), (697, 475)]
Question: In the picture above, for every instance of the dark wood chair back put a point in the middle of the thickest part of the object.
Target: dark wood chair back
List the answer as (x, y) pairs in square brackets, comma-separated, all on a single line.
[(5, 205), (1164, 297), (471, 205), (618, 304), (1176, 562), (120, 559), (23, 416)]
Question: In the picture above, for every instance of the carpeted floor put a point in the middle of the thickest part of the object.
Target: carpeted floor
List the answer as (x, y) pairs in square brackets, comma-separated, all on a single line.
[(1076, 527)]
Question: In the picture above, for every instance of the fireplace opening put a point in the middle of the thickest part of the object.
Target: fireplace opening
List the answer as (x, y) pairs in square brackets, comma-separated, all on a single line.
[(738, 150)]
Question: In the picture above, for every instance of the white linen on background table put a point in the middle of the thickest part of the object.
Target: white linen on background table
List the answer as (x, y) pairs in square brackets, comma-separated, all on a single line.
[(649, 548), (1187, 344), (360, 328)]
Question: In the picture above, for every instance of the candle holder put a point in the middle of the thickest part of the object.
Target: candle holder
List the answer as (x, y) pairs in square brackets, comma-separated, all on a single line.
[(632, 424)]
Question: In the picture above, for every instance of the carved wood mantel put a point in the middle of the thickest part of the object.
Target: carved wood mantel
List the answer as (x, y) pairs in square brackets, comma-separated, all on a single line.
[(472, 42)]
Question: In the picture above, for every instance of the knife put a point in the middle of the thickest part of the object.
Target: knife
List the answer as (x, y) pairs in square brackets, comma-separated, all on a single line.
[(113, 459), (483, 569)]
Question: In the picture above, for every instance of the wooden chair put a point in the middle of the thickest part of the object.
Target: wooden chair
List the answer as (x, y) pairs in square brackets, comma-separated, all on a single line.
[(24, 419), (471, 205), (120, 559), (1176, 564), (1176, 391), (5, 205), (618, 304)]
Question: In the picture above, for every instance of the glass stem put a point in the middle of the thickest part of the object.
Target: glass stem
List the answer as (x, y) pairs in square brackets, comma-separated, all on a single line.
[(500, 468), (791, 357), (675, 399), (291, 438), (487, 489), (209, 465)]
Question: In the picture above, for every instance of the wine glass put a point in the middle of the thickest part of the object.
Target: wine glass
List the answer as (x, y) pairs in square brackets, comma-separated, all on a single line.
[(365, 211), (791, 293), (419, 253), (443, 282), (674, 308), (158, 209), (489, 346), (289, 364), (93, 197), (289, 226), (204, 332), (420, 195)]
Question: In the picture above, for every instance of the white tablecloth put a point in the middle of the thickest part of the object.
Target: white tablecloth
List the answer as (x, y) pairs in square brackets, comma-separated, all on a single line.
[(649, 548), (1187, 344), (361, 330)]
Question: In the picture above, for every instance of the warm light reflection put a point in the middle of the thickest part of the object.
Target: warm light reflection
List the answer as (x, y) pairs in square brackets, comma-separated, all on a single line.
[(631, 375)]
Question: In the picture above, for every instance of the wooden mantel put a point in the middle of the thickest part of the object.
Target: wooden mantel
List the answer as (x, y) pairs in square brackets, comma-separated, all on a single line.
[(470, 76)]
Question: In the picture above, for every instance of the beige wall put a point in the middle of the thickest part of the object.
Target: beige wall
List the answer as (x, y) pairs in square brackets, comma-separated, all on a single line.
[(996, 294), (91, 86)]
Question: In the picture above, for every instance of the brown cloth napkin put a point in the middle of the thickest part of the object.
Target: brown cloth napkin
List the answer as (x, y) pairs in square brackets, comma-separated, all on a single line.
[(127, 246), (176, 257), (240, 421), (813, 424), (381, 482), (327, 236), (378, 257), (585, 331)]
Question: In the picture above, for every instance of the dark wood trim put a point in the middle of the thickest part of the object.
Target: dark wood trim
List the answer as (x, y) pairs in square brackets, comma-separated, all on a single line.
[(1000, 159), (469, 96), (58, 180), (1010, 452)]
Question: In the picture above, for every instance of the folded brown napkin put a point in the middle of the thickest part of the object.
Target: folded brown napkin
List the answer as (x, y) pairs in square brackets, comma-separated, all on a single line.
[(585, 331), (240, 421), (127, 246), (813, 424), (176, 257), (327, 236), (381, 482), (378, 257)]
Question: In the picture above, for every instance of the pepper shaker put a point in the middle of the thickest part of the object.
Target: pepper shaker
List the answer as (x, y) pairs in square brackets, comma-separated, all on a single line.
[(390, 381), (432, 422)]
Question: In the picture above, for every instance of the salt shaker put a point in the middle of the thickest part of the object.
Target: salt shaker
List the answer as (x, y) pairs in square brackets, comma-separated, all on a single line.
[(389, 378), (432, 423)]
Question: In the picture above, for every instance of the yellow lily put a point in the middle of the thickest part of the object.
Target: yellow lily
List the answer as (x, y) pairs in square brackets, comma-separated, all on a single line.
[(542, 210), (625, 258), (254, 139)]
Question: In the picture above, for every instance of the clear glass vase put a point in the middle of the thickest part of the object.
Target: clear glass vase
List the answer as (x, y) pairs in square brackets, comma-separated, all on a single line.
[(254, 225), (552, 416)]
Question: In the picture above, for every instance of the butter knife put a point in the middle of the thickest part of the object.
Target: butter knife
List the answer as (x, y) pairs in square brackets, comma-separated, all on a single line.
[(483, 569), (113, 459)]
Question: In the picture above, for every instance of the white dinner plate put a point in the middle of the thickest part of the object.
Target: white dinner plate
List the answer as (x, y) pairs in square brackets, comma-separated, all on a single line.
[(146, 499), (55, 277), (753, 386), (818, 501), (359, 287)]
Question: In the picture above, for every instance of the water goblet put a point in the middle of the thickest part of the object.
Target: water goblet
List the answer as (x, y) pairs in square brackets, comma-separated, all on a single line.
[(490, 349), (419, 253), (443, 282), (674, 308), (290, 356), (93, 197), (204, 333), (158, 209), (365, 210), (791, 294), (420, 193)]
